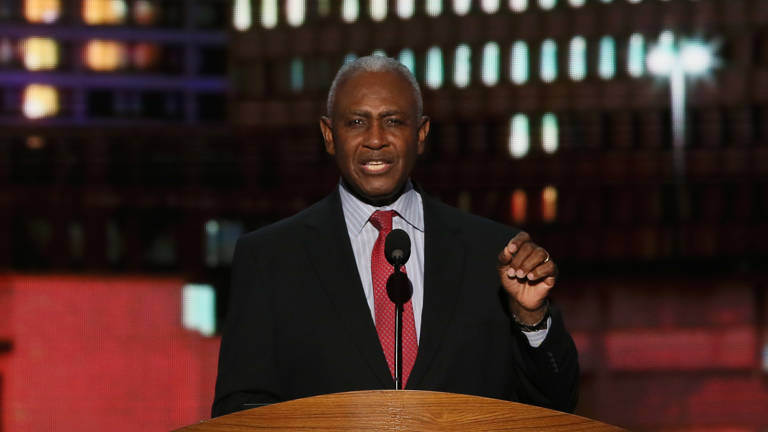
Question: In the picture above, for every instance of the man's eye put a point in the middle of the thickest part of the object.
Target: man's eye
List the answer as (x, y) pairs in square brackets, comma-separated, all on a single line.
[(356, 122), (394, 121)]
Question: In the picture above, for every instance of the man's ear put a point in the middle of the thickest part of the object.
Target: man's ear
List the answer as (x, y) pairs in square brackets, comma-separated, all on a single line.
[(423, 132), (327, 131)]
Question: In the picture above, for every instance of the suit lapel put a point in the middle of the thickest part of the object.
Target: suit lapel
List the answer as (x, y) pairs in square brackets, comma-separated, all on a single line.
[(443, 271), (333, 260)]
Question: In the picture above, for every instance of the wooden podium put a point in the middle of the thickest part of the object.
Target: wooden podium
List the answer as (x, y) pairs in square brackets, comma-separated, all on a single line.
[(404, 410)]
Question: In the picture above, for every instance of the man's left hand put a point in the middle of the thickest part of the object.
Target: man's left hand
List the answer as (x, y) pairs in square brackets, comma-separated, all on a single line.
[(527, 274)]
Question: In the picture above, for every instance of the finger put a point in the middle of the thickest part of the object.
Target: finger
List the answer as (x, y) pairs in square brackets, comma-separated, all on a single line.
[(543, 270), (514, 244), (529, 294), (541, 290), (526, 249), (547, 283), (537, 256), (505, 256)]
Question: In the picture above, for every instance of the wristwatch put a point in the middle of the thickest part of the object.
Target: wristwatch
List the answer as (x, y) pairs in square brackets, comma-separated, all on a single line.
[(541, 325)]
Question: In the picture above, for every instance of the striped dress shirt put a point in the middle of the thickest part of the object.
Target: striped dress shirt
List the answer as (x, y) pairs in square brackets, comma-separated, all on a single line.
[(410, 218), (362, 235)]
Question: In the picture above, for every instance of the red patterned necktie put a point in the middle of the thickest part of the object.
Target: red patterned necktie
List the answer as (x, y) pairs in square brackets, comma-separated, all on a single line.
[(383, 306)]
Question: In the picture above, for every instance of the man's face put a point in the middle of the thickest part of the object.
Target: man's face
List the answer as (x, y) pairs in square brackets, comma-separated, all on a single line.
[(375, 134)]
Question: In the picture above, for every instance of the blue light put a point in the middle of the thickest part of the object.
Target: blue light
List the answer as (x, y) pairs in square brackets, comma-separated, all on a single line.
[(199, 308)]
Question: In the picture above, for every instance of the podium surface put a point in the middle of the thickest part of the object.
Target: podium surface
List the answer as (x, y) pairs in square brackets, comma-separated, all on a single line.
[(399, 410)]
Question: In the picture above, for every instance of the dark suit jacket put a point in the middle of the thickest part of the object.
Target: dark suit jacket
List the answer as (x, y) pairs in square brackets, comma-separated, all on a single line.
[(299, 324)]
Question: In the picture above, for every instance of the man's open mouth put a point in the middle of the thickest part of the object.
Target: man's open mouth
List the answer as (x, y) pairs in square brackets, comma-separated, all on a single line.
[(376, 166)]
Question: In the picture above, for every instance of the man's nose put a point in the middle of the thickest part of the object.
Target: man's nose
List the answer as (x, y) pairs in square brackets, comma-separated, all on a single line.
[(376, 138)]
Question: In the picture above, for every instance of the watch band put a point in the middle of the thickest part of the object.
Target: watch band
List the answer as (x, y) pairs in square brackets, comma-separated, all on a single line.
[(541, 325)]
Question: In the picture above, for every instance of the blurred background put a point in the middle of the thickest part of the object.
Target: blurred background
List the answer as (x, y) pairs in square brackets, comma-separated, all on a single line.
[(140, 138)]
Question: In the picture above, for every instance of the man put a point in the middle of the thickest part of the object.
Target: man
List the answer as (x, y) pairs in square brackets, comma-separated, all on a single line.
[(309, 314)]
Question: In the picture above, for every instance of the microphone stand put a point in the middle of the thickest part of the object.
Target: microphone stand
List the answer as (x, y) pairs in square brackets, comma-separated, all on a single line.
[(398, 249), (399, 350), (399, 291)]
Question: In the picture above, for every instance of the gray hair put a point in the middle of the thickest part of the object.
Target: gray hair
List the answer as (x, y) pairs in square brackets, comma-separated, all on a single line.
[(374, 63)]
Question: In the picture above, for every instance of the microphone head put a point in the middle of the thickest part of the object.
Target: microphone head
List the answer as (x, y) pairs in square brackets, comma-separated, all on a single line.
[(399, 288), (397, 247)]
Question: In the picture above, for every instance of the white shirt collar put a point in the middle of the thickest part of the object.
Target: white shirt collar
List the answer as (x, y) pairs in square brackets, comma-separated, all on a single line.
[(356, 213)]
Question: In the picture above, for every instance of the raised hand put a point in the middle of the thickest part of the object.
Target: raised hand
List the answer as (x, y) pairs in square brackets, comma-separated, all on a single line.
[(527, 274)]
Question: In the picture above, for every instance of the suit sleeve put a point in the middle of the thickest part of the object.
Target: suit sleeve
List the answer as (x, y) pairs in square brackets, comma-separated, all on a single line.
[(549, 374), (247, 374)]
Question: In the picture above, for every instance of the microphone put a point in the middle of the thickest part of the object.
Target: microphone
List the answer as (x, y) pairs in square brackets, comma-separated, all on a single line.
[(397, 248)]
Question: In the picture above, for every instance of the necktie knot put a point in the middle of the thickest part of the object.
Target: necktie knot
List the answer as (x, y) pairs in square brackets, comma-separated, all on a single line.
[(382, 220)]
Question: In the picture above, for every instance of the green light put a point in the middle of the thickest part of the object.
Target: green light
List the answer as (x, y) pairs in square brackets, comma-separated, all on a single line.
[(577, 58), (550, 133), (461, 7), (241, 12), (268, 13), (434, 7), (548, 65), (295, 11), (636, 56), (199, 308), (607, 66), (490, 72), (350, 57), (405, 8), (490, 6), (408, 59), (547, 4), (297, 75), (519, 136), (518, 59), (434, 75), (518, 5), (377, 9), (462, 66), (350, 10)]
